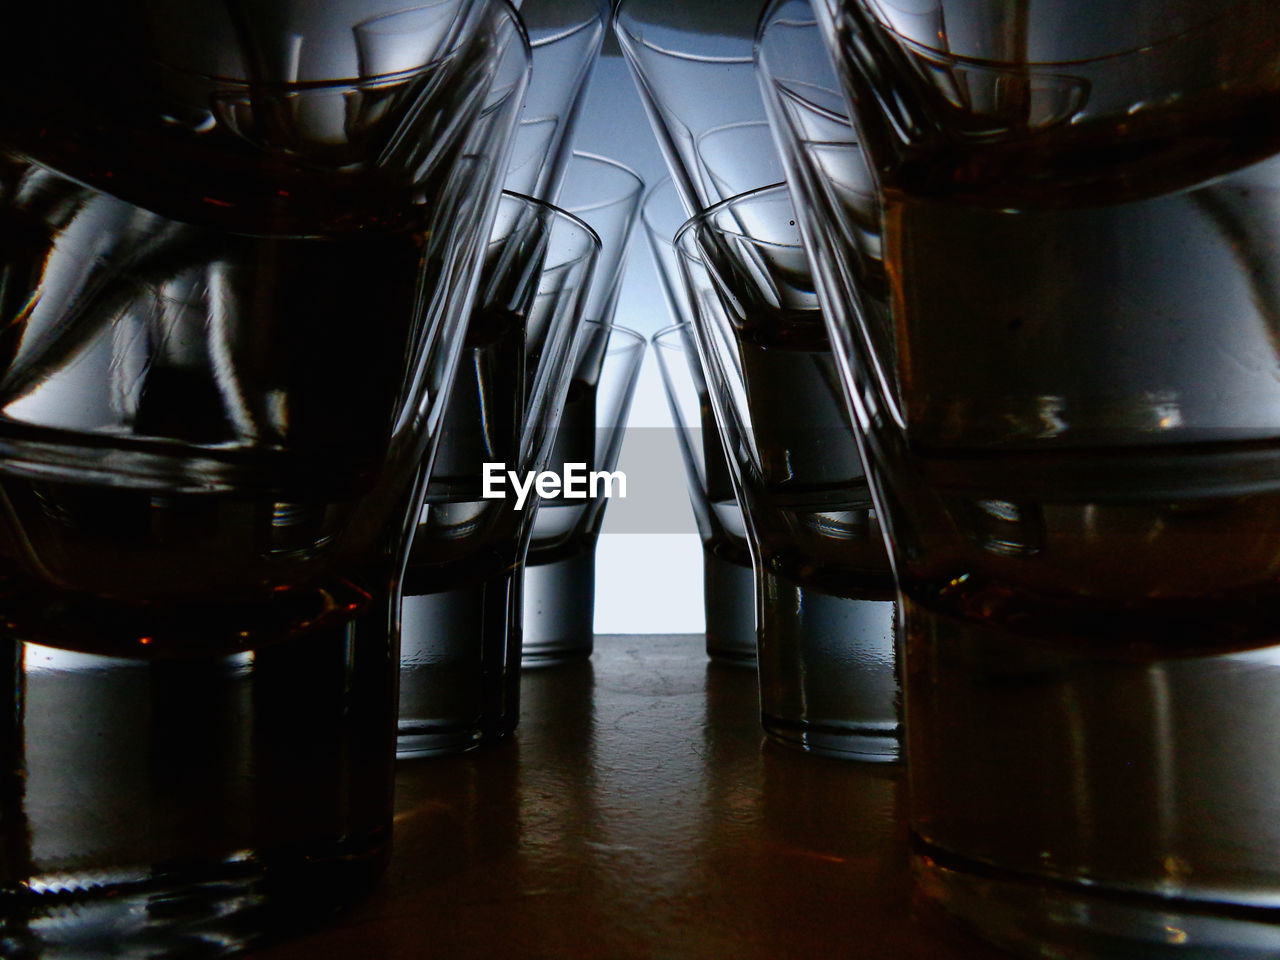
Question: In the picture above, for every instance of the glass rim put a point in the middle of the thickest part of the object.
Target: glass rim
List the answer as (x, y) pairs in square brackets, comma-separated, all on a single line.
[(631, 36), (827, 113), (507, 10), (770, 11), (662, 336), (571, 30), (666, 182), (992, 64), (636, 182), (732, 127), (635, 339), (706, 216), (510, 196)]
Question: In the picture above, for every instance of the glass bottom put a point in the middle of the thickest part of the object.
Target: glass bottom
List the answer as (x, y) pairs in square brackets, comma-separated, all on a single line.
[(214, 913), (191, 807), (729, 591), (1107, 798), (869, 745), (559, 609), (828, 678), (1035, 917), (422, 741), (459, 668)]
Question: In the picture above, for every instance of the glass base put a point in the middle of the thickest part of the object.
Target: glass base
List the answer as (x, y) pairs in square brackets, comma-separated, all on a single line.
[(828, 678), (414, 742), (1122, 803), (172, 914), (869, 745), (559, 610), (729, 591), (459, 668), (191, 807), (1034, 917)]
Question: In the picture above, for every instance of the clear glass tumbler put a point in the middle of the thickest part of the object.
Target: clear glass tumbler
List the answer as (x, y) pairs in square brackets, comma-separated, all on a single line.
[(692, 64), (565, 37), (559, 583), (1065, 367), (825, 619), (461, 610), (236, 263), (728, 583), (560, 575)]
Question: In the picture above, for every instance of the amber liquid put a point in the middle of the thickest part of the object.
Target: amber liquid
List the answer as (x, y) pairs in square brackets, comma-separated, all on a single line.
[(1091, 676), (205, 359), (1085, 355)]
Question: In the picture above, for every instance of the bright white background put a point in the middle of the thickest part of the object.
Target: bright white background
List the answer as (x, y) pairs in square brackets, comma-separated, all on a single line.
[(645, 582)]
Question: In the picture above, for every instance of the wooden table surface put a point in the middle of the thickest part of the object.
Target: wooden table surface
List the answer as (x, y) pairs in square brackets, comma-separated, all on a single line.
[(639, 812)]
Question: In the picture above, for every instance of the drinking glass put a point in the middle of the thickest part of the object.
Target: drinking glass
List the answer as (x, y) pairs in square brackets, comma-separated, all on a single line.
[(236, 262), (606, 194), (693, 67), (565, 37), (559, 578), (1065, 370), (807, 111), (728, 581), (559, 582), (825, 612), (728, 584), (460, 616)]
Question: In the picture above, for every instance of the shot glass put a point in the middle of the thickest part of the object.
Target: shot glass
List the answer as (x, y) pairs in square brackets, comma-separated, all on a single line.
[(826, 167), (1069, 400), (565, 37), (693, 68), (728, 584), (460, 614), (559, 582), (606, 194), (559, 577), (826, 620), (232, 289)]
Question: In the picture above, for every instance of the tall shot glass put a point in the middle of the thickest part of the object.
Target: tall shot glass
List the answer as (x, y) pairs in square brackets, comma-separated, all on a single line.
[(1068, 389), (728, 583), (565, 37), (825, 616), (237, 268), (559, 579), (693, 68), (461, 615), (559, 582)]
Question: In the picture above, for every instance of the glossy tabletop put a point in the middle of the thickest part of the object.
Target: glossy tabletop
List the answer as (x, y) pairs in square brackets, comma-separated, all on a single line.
[(639, 813)]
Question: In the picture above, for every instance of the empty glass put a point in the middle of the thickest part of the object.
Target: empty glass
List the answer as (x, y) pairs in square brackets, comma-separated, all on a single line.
[(565, 38), (559, 578), (559, 583), (728, 586), (460, 616), (825, 617), (607, 195), (693, 67)]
